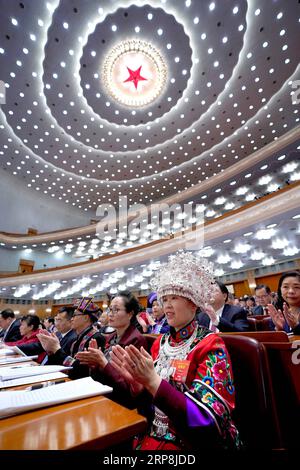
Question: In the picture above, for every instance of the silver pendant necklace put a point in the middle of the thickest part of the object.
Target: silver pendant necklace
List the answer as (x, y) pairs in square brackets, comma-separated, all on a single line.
[(167, 353)]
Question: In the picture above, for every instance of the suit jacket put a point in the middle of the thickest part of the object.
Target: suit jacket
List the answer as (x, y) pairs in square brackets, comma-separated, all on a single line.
[(13, 334), (67, 341), (258, 310), (233, 318), (80, 344)]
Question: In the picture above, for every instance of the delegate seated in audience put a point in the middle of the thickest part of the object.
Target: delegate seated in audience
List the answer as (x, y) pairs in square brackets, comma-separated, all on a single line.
[(49, 324), (159, 323), (122, 312), (10, 326), (223, 316), (250, 305), (230, 299), (83, 320), (262, 298), (286, 315), (103, 324), (274, 296), (188, 379), (65, 332), (242, 301), (29, 342), (145, 318)]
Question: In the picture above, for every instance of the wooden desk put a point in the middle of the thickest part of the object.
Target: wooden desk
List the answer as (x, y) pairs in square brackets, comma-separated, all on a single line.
[(294, 338), (93, 423)]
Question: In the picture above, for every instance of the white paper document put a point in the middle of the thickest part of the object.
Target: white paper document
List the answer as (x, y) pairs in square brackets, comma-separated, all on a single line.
[(16, 372), (10, 351), (16, 402), (6, 351), (32, 380), (13, 360)]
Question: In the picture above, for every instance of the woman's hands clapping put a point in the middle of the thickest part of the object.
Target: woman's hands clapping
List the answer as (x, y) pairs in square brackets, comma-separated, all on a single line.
[(136, 367), (286, 315), (93, 357)]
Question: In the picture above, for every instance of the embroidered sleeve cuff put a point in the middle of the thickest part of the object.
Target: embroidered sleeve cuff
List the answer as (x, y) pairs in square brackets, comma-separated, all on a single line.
[(197, 417), (180, 408)]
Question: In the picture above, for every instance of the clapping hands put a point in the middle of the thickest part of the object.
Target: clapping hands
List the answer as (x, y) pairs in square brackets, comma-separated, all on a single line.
[(280, 317), (137, 367), (93, 357)]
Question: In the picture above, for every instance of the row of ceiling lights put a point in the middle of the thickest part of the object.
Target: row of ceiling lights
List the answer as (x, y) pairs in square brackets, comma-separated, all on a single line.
[(119, 279), (266, 181)]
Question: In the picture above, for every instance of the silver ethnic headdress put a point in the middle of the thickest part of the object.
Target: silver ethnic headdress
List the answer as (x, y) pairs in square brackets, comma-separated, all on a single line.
[(186, 275)]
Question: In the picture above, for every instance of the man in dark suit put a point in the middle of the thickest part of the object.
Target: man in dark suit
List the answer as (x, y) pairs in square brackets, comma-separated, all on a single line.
[(83, 322), (10, 326), (63, 323), (222, 316), (65, 332), (263, 298)]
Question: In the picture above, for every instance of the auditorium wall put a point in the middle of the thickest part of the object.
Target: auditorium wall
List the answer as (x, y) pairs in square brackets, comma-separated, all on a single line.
[(22, 208)]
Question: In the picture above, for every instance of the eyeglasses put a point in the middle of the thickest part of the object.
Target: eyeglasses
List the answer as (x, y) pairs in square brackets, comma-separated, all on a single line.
[(116, 311)]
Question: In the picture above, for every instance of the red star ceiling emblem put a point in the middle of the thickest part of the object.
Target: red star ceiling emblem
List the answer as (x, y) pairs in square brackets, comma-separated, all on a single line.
[(135, 76)]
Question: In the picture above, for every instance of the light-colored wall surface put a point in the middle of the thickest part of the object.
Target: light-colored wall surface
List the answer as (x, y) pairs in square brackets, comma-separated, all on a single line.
[(21, 207), (9, 259)]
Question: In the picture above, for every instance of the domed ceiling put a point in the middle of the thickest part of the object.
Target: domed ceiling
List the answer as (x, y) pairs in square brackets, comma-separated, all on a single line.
[(141, 98), (151, 100)]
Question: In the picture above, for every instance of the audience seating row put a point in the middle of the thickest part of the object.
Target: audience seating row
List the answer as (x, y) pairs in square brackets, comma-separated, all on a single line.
[(259, 323)]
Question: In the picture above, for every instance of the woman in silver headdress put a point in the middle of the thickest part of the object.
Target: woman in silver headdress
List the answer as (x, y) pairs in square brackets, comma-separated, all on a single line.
[(188, 375)]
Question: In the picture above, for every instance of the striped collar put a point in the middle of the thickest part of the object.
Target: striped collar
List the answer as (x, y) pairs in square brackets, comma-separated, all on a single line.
[(183, 333)]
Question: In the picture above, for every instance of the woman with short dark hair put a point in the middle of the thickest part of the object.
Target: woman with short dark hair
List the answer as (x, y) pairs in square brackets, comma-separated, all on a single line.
[(122, 317), (29, 343)]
